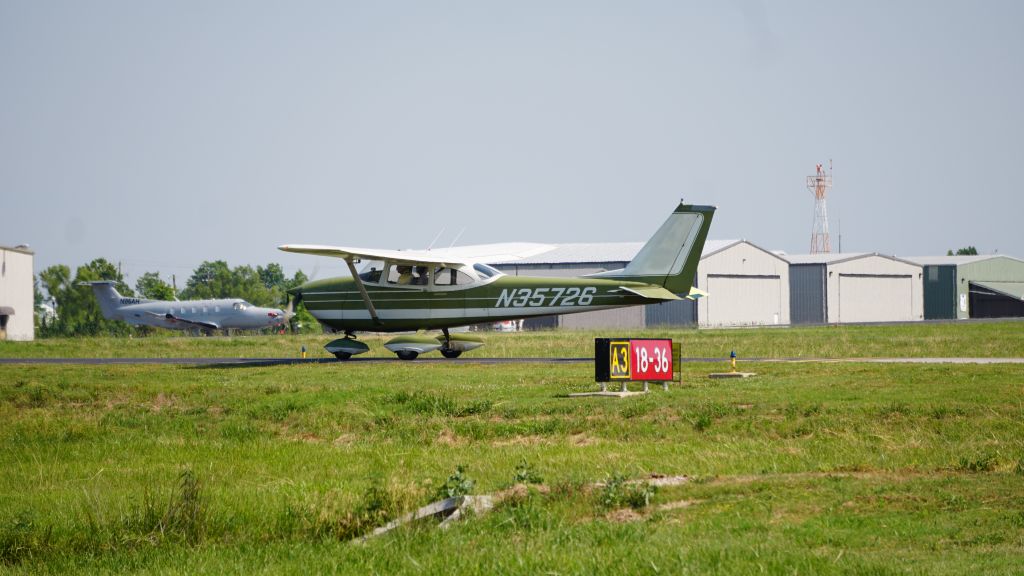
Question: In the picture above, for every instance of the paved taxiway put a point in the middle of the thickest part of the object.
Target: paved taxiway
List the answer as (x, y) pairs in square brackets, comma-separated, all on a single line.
[(288, 361)]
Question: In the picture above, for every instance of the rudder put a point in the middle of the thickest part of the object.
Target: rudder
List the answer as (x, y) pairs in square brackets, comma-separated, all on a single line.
[(671, 256)]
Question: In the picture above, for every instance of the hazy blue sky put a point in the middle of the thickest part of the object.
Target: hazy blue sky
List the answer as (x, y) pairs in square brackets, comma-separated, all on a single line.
[(162, 134)]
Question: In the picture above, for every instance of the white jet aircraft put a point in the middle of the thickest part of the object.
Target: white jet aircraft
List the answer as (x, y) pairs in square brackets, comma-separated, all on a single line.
[(205, 315)]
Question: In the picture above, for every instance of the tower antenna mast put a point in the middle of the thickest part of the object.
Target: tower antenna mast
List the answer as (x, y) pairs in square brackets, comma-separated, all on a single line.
[(819, 185)]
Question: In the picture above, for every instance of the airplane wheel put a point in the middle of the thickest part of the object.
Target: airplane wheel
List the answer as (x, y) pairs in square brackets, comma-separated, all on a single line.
[(407, 355), (450, 353), (342, 355)]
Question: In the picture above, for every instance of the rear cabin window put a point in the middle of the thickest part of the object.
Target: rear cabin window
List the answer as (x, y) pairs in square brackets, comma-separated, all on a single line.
[(451, 277)]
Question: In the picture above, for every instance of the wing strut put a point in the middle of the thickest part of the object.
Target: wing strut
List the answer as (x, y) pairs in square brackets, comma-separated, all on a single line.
[(362, 290)]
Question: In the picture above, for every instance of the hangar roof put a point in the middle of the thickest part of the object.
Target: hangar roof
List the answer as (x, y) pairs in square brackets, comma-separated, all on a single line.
[(594, 252), (837, 258), (953, 260), (828, 258)]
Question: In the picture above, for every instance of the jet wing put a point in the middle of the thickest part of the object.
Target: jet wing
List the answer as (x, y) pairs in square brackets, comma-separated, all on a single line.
[(196, 323), (411, 257)]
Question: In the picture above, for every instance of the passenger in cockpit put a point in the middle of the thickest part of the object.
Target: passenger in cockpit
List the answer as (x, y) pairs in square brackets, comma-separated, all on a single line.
[(404, 274), (420, 278)]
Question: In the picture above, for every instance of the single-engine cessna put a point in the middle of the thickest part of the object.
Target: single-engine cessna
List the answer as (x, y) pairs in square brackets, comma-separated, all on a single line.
[(400, 290), (204, 315)]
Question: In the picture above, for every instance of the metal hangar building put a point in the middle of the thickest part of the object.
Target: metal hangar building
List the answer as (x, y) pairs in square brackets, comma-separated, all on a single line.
[(850, 288), (990, 286)]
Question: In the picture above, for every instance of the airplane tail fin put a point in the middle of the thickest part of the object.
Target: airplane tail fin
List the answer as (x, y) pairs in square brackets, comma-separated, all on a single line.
[(670, 257), (107, 296)]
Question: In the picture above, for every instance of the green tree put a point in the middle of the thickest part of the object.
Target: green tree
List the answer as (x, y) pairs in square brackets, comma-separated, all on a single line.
[(78, 313), (151, 286), (216, 280), (968, 251), (272, 276)]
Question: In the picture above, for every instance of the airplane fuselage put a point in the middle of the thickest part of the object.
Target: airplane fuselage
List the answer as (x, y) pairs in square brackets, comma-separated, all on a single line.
[(337, 302), (180, 315)]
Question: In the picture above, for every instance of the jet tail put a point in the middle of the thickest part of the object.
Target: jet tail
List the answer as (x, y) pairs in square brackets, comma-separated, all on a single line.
[(108, 298), (670, 257)]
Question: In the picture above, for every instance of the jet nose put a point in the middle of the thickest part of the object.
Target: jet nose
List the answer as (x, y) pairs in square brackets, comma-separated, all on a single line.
[(275, 317)]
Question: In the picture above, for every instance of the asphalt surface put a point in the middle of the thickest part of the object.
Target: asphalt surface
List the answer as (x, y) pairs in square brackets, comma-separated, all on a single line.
[(290, 361)]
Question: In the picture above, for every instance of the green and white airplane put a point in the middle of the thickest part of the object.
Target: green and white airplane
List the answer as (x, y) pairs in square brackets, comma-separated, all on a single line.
[(403, 290)]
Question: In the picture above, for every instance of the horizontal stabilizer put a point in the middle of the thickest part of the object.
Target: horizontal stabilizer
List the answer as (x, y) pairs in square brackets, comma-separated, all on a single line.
[(696, 293), (652, 292)]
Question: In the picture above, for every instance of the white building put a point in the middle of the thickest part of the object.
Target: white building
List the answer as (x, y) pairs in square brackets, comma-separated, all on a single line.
[(746, 285), (17, 310), (845, 288)]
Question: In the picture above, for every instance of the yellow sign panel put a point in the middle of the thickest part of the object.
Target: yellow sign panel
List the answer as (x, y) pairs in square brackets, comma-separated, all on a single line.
[(619, 364)]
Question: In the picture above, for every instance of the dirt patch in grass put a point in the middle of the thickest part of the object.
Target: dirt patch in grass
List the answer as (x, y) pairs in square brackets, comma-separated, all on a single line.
[(582, 439), (449, 438), (163, 401), (677, 505), (532, 440), (623, 515)]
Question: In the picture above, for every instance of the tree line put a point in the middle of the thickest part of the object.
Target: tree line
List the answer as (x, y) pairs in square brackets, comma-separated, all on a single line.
[(78, 313)]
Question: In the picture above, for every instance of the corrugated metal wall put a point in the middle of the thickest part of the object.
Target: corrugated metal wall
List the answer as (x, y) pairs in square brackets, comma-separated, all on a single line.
[(678, 313), (807, 303), (939, 292)]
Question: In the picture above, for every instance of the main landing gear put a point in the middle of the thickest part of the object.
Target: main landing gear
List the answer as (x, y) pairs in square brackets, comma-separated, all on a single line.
[(408, 346), (347, 347)]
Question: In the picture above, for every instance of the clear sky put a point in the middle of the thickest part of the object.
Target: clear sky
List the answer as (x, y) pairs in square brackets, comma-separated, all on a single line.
[(161, 134)]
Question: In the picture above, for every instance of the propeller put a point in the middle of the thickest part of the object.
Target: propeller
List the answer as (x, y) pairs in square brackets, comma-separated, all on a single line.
[(292, 299)]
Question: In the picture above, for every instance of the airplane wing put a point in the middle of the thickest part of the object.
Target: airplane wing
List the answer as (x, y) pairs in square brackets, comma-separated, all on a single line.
[(500, 252), (411, 257), (196, 323)]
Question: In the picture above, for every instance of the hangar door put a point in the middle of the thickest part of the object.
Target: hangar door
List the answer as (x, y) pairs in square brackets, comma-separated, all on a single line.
[(997, 299), (876, 298), (735, 300)]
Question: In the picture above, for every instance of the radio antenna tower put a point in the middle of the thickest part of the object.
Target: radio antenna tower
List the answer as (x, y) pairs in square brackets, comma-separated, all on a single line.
[(819, 185)]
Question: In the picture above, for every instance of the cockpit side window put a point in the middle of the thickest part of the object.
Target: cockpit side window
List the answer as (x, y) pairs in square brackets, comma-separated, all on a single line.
[(400, 274), (240, 305), (371, 276), (372, 271)]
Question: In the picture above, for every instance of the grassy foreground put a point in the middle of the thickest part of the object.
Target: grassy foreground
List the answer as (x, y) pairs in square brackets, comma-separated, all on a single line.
[(808, 468), (975, 339)]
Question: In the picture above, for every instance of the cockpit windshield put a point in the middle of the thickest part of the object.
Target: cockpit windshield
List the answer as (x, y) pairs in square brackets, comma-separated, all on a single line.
[(486, 271), (243, 305), (372, 271)]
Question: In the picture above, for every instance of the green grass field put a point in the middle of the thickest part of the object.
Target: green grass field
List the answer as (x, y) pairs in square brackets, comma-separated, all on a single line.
[(974, 339), (808, 468)]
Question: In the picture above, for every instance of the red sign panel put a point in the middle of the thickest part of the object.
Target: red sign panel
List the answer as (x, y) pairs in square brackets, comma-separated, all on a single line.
[(651, 359)]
